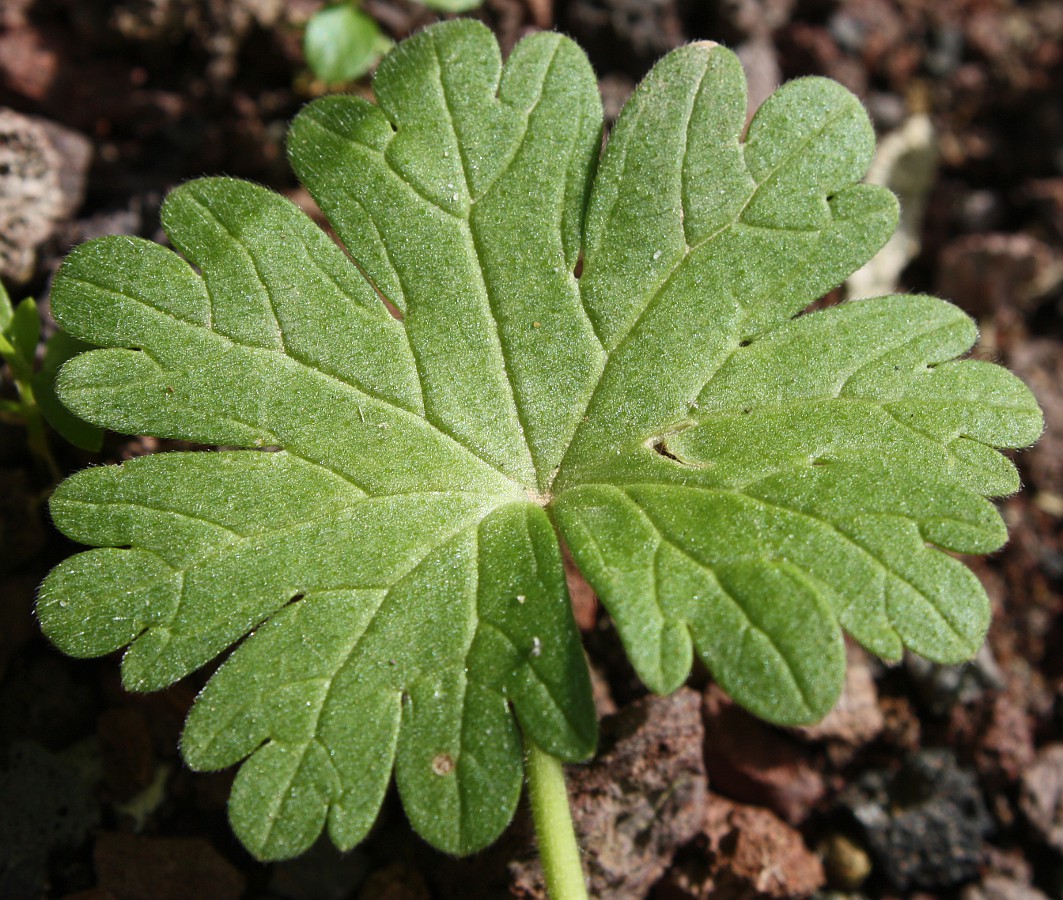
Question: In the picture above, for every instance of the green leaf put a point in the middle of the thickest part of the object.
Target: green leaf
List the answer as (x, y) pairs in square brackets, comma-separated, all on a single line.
[(19, 337), (342, 43), (6, 309), (60, 348), (734, 478), (452, 6)]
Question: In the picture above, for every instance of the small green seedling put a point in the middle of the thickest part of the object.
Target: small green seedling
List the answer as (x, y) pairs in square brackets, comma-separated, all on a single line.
[(603, 353), (36, 403), (342, 42)]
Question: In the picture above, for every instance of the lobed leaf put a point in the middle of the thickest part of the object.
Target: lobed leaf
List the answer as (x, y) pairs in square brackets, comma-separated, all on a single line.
[(420, 424)]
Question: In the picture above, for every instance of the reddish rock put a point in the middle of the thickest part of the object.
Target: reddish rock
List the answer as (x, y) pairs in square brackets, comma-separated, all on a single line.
[(29, 63), (750, 761), (154, 868), (1005, 748), (641, 798), (749, 854)]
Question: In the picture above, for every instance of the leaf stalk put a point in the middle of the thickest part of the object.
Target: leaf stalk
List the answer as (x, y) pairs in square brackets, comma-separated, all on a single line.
[(558, 850)]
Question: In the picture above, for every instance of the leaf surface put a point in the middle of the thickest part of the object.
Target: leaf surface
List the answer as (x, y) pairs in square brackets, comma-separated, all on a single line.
[(420, 419)]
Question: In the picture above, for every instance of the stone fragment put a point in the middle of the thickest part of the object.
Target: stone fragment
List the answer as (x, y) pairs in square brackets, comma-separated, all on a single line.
[(42, 183), (1041, 798), (30, 61), (1004, 744), (923, 824), (641, 798), (752, 762), (584, 601), (748, 854), (846, 862)]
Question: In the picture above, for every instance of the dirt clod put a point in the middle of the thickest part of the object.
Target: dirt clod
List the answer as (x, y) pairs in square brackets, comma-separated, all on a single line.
[(641, 798), (748, 853)]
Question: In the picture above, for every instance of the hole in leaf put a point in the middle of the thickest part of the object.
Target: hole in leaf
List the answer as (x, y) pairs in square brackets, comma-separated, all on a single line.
[(662, 448)]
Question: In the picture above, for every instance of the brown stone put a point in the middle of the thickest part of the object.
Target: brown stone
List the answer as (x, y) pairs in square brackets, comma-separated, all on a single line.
[(749, 854), (153, 868), (641, 799), (750, 761)]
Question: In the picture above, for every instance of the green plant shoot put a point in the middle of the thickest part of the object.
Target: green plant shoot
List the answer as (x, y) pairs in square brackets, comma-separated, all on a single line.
[(600, 351)]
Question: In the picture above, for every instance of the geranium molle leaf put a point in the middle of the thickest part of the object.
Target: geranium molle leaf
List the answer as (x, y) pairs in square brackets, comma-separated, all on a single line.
[(519, 346)]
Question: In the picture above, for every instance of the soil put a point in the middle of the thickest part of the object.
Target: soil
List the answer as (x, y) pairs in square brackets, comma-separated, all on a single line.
[(926, 782)]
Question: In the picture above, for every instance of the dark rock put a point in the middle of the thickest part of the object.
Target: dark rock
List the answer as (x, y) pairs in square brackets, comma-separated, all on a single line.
[(50, 701), (940, 687), (21, 529), (924, 824), (44, 809), (322, 873)]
